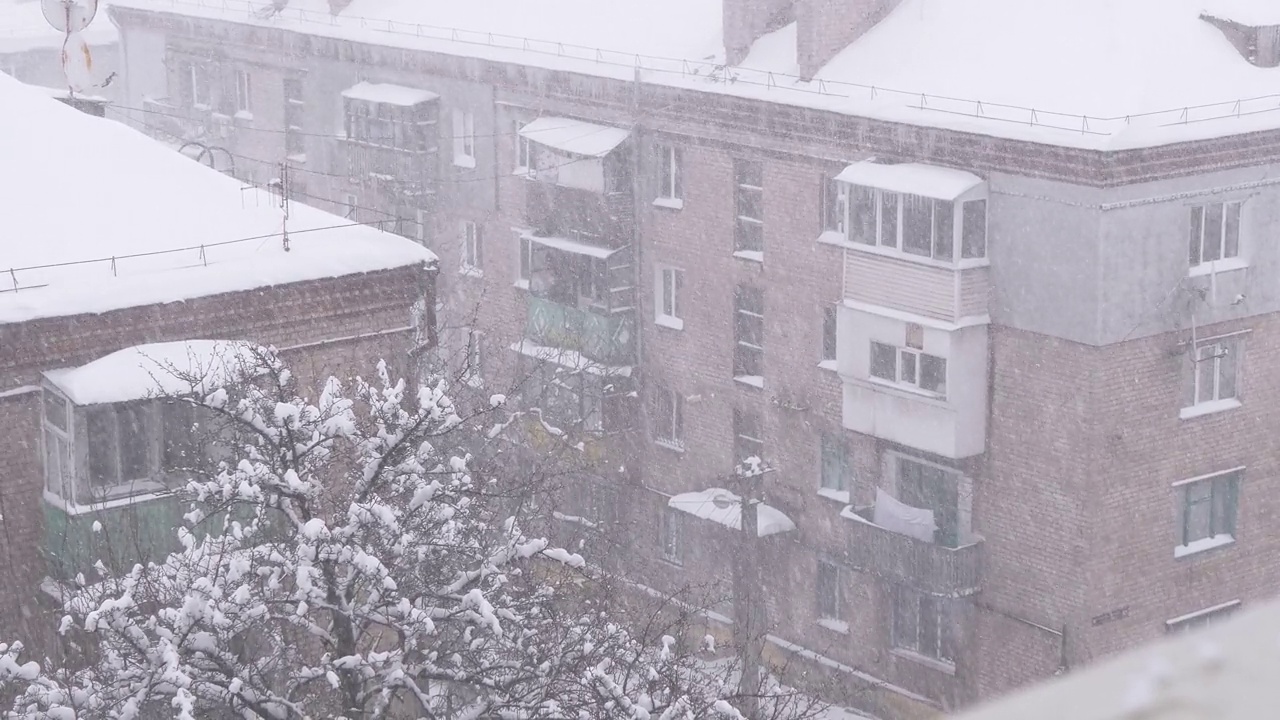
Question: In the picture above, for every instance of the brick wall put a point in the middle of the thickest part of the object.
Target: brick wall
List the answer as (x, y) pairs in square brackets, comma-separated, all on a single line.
[(323, 320)]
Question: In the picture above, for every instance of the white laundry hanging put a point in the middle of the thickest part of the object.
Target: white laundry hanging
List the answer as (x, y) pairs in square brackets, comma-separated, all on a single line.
[(903, 519)]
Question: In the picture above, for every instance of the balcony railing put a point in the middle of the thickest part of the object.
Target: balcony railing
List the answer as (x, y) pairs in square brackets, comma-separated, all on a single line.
[(605, 339), (137, 532), (927, 567), (602, 220)]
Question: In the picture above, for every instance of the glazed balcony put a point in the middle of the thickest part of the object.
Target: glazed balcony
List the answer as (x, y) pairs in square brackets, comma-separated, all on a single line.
[(604, 220), (599, 337), (928, 567)]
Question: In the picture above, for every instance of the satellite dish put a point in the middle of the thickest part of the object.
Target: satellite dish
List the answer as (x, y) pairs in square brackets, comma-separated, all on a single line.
[(69, 16)]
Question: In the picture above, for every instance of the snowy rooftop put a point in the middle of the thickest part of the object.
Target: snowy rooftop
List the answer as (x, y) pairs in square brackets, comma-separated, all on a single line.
[(1103, 74), (158, 226), (23, 27), (1223, 672), (156, 369), (721, 506)]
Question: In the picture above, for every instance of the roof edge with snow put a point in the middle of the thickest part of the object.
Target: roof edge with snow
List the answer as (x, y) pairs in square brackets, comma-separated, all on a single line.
[(575, 136), (931, 181)]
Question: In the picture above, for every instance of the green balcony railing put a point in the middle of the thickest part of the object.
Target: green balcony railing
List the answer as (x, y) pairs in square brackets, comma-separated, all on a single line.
[(606, 339), (139, 532)]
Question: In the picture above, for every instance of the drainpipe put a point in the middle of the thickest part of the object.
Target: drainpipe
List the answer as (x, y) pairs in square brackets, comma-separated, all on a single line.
[(637, 204)]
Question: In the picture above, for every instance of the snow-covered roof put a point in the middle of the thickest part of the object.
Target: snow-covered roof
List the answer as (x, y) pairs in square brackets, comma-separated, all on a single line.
[(156, 369), (575, 136), (1245, 12), (568, 245), (1083, 73), (1226, 671), (913, 178), (721, 506), (389, 94), (158, 226), (23, 27)]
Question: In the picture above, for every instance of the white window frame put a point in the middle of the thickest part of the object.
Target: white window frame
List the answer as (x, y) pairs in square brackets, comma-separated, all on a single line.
[(197, 101), (464, 138), (1200, 236), (742, 345), (244, 93), (671, 529), (928, 649), (1227, 485), (833, 206), (1224, 356), (672, 402), (667, 305), (893, 243), (524, 154), (739, 189), (421, 217), (671, 178), (524, 259), (908, 362), (472, 250)]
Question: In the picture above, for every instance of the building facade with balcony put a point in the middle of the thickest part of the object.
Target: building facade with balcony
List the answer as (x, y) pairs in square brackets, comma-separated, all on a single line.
[(197, 269), (1005, 366)]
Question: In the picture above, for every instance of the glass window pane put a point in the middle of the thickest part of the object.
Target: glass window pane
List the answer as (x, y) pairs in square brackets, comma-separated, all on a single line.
[(1206, 372), (749, 236), (917, 225), (1224, 505), (944, 219), (100, 429), (1197, 511), (1197, 233), (55, 410), (974, 230), (829, 318), (906, 618), (930, 630), (749, 172), (135, 437), (1231, 241), (178, 430), (54, 456), (948, 630), (862, 215), (883, 361), (750, 203), (933, 374), (908, 369), (668, 293), (1212, 249), (889, 219), (1228, 365), (827, 590)]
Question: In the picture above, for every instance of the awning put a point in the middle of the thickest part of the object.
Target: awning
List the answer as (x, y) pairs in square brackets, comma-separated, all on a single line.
[(388, 94), (721, 506), (911, 178), (574, 136), (570, 246), (154, 370)]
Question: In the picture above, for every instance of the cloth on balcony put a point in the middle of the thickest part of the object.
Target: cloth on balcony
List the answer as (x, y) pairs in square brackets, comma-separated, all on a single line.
[(903, 519)]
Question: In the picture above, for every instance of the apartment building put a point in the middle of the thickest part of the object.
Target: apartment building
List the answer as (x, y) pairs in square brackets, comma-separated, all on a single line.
[(989, 302), (125, 263)]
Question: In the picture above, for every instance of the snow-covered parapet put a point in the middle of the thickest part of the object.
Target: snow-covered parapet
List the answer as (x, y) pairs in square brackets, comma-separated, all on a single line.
[(721, 506), (156, 369)]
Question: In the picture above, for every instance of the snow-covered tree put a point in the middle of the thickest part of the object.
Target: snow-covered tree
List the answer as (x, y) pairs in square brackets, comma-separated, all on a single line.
[(343, 559)]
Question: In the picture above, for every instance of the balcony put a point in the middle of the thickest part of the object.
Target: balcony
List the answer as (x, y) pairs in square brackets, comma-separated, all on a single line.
[(608, 339), (604, 220), (946, 294), (132, 532), (927, 567)]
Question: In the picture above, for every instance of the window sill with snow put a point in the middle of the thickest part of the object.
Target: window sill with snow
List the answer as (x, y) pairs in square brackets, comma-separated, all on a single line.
[(750, 255), (915, 657), (1208, 408), (669, 203), (840, 496), (1195, 547), (755, 381), (1214, 267), (835, 626), (667, 321)]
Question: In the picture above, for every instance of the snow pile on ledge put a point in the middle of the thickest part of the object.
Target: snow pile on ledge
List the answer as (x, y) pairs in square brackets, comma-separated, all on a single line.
[(153, 370), (389, 94), (575, 136), (157, 226), (721, 506), (23, 27)]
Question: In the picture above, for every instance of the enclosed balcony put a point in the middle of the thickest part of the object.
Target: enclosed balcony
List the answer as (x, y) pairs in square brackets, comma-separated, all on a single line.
[(947, 568), (391, 136), (604, 338)]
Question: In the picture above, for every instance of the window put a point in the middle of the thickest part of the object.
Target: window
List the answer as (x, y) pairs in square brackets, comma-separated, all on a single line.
[(1208, 510), (57, 444), (421, 226), (909, 367), (832, 205), (749, 231), (829, 320), (748, 356), (350, 204), (935, 488), (748, 438), (294, 111), (917, 225), (671, 181), (671, 535), (575, 400), (669, 282), (1215, 232), (464, 138), (668, 418), (470, 248), (924, 624), (198, 89), (243, 92), (827, 590), (835, 464), (524, 149), (1201, 618), (1214, 374)]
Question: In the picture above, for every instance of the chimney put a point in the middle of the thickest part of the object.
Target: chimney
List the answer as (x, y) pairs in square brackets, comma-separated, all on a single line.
[(746, 20), (825, 27)]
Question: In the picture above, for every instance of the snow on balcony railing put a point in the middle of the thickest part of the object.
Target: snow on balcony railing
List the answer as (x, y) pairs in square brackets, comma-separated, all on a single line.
[(699, 74)]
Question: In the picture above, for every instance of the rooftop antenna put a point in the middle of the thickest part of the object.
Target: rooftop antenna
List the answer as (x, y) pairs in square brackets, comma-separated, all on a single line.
[(70, 17)]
